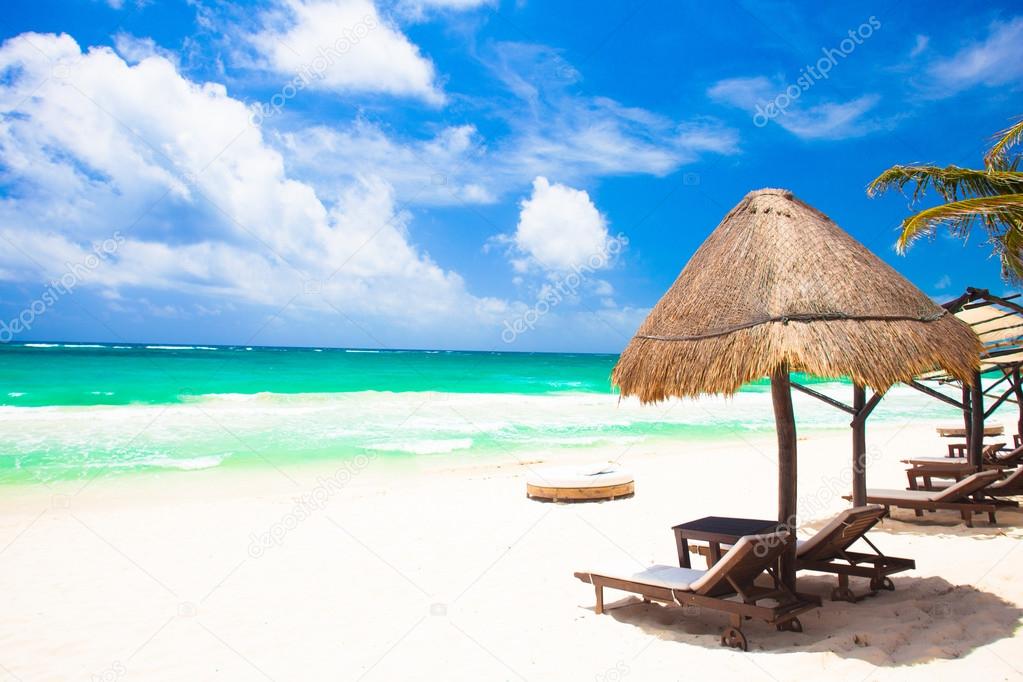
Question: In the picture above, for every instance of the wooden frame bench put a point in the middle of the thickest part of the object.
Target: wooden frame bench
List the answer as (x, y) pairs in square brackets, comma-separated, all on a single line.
[(828, 551), (955, 498), (729, 586)]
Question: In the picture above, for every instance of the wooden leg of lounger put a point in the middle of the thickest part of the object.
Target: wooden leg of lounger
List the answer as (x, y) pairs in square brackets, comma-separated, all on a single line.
[(918, 512), (991, 518), (968, 518), (600, 598), (842, 592)]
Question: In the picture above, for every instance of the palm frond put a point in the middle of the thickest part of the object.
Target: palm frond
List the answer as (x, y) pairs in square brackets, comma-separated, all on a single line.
[(1006, 209), (996, 159), (1010, 250), (991, 198), (951, 182), (1001, 217)]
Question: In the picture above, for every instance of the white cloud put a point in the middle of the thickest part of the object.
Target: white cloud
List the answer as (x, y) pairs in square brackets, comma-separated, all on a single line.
[(91, 146), (559, 228), (598, 136), (418, 9), (919, 45), (832, 120), (448, 168), (342, 46), (562, 134), (135, 49), (827, 120), (551, 133), (450, 4), (743, 92), (995, 60), (119, 4)]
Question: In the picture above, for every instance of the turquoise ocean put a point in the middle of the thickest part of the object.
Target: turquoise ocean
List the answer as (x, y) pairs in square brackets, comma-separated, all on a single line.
[(70, 411)]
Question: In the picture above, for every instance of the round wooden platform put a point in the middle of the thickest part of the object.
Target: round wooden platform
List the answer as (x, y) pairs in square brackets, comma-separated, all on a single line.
[(960, 431), (589, 493), (580, 483)]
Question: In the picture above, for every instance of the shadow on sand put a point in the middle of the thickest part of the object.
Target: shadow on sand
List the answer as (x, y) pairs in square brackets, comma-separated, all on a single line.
[(937, 524), (923, 620)]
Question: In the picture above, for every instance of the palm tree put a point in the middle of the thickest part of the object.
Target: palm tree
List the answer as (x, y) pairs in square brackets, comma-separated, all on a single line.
[(992, 198)]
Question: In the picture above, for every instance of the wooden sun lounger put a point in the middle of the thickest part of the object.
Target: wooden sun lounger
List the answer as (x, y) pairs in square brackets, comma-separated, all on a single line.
[(1008, 458), (1009, 486), (923, 470), (993, 453), (956, 497), (828, 551), (728, 586)]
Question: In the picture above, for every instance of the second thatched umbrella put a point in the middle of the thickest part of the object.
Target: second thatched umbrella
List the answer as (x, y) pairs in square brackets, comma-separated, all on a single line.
[(778, 287)]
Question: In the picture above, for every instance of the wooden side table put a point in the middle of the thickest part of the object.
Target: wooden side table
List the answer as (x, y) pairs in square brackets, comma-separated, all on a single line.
[(717, 531)]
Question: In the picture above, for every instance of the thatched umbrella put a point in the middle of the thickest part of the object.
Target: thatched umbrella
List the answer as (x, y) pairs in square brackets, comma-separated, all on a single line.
[(778, 287)]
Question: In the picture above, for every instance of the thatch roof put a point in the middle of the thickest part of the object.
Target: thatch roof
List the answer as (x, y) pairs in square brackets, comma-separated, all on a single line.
[(778, 282)]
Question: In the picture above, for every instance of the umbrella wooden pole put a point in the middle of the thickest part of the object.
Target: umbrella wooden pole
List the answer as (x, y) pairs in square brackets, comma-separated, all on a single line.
[(976, 441), (1018, 390), (967, 418), (785, 424), (859, 437)]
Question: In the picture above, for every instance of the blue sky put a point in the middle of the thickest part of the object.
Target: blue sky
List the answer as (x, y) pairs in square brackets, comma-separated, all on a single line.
[(484, 174)]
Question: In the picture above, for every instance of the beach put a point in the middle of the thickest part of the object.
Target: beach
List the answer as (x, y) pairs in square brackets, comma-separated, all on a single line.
[(439, 567), (364, 340)]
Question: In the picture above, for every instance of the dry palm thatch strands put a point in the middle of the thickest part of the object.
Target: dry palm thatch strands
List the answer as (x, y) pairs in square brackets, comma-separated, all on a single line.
[(779, 285)]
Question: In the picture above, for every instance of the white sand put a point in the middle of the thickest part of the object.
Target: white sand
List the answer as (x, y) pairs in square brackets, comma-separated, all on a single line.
[(432, 570)]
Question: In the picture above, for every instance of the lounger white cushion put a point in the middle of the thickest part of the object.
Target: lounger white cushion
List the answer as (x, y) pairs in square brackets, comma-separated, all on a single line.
[(658, 575), (938, 460), (695, 580), (908, 495), (585, 476)]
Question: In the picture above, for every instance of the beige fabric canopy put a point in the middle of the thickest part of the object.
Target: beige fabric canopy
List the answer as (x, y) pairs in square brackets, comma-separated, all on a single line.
[(999, 328), (997, 322)]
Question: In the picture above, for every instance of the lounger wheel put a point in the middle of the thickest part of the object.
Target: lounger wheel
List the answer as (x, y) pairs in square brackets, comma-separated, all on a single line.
[(790, 625), (733, 637), (844, 594), (878, 584)]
